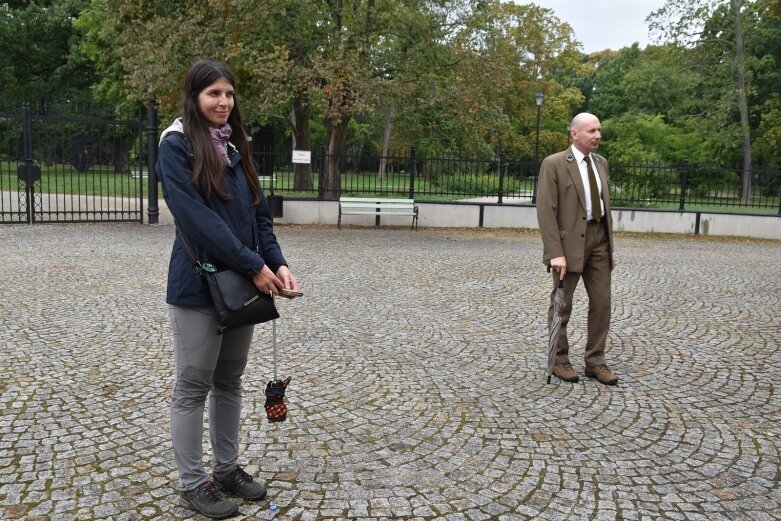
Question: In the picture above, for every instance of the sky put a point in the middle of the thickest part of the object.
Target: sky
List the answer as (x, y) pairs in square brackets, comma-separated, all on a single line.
[(604, 24)]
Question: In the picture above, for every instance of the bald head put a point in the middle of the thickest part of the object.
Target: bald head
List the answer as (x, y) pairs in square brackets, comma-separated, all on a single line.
[(582, 119), (586, 132)]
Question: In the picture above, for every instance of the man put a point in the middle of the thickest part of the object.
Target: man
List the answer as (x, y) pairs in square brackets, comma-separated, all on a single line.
[(573, 210)]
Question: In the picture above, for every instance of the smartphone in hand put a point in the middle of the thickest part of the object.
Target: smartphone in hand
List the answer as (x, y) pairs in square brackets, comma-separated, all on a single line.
[(290, 293)]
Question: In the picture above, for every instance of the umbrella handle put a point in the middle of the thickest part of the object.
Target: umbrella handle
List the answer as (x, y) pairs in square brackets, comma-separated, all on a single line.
[(561, 281), (274, 342)]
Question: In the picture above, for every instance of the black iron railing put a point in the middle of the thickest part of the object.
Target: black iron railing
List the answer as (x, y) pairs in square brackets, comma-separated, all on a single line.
[(679, 186), (59, 167)]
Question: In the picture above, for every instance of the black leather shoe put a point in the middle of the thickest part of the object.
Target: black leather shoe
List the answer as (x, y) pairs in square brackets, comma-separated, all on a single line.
[(209, 501), (241, 484)]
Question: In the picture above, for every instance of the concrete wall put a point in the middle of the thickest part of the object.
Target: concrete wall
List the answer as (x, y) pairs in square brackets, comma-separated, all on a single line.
[(761, 226), (468, 215), (650, 221)]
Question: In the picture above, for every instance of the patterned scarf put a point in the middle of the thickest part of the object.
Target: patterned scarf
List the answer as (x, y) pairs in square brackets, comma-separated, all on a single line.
[(220, 138)]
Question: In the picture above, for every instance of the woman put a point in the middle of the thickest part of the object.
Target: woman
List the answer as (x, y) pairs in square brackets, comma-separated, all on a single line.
[(212, 190)]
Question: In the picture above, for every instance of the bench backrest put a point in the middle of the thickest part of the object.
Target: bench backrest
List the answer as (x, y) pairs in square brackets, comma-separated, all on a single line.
[(368, 202)]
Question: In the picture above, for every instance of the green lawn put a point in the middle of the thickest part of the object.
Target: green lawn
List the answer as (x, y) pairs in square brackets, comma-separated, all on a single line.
[(99, 180)]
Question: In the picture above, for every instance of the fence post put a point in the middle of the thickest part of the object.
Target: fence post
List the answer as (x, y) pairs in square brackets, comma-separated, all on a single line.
[(271, 171), (413, 167), (320, 172), (684, 180), (151, 160), (501, 174), (28, 170)]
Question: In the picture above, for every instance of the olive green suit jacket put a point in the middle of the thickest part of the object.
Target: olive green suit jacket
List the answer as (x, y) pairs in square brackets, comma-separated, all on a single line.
[(561, 208)]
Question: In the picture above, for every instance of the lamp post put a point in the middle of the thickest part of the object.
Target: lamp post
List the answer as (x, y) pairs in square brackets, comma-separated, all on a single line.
[(569, 127), (538, 100)]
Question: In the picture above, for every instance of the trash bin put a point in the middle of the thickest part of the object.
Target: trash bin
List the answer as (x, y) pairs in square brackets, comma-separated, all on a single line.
[(275, 205)]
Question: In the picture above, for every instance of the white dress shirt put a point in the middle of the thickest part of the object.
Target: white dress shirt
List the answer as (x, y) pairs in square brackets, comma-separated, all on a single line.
[(586, 185)]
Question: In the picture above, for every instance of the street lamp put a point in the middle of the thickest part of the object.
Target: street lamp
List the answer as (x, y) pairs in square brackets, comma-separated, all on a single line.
[(569, 127), (538, 100)]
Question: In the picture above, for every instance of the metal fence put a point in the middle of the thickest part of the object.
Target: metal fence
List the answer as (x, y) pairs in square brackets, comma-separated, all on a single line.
[(438, 178), (60, 163), (686, 185)]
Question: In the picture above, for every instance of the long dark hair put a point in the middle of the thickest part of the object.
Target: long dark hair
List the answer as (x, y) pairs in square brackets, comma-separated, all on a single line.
[(209, 168)]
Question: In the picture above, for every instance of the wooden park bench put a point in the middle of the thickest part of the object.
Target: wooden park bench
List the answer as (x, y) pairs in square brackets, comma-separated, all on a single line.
[(377, 206)]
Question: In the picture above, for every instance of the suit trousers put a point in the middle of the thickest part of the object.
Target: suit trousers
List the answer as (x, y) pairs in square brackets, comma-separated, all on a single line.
[(596, 279), (206, 364)]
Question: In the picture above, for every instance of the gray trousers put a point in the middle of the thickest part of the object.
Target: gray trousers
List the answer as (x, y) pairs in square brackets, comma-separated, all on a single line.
[(206, 364)]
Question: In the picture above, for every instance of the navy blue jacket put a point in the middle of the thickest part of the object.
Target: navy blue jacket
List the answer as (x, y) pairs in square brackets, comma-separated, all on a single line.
[(221, 230)]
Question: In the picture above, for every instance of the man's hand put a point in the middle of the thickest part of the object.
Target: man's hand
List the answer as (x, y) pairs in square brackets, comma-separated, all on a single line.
[(559, 265)]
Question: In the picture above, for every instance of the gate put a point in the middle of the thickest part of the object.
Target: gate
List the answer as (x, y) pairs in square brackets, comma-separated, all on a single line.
[(56, 166)]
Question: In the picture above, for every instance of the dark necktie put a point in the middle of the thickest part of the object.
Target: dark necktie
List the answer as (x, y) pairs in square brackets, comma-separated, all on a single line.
[(596, 206)]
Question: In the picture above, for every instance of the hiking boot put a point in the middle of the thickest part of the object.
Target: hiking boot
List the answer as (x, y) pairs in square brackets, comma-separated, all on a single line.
[(241, 484), (565, 372), (602, 374), (209, 501)]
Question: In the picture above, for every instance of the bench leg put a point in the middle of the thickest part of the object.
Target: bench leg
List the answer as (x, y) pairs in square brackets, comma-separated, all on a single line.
[(339, 222)]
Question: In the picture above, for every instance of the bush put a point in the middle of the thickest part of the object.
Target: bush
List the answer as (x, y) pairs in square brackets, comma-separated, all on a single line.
[(476, 184)]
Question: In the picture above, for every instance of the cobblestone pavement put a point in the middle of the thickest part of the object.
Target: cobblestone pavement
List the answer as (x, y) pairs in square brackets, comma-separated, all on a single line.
[(418, 392)]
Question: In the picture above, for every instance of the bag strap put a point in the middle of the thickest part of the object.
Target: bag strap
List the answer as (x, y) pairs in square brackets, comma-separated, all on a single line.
[(189, 251), (198, 263)]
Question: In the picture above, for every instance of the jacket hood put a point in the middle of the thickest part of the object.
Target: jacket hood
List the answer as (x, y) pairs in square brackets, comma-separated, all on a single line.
[(176, 126)]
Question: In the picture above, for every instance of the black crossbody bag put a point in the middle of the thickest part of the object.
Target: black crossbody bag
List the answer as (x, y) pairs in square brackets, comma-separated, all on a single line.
[(237, 301)]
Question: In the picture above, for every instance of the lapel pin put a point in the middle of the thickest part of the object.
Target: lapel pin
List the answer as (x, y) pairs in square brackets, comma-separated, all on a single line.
[(570, 158)]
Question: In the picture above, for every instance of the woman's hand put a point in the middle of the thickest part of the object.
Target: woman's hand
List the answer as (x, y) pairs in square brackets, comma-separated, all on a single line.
[(286, 278), (266, 281)]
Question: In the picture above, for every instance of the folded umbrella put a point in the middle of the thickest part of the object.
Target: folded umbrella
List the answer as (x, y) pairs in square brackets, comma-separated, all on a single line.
[(555, 326)]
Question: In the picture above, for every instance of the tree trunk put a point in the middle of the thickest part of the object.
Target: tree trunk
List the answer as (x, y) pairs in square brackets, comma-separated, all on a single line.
[(740, 65), (386, 141), (302, 173), (120, 155), (332, 181)]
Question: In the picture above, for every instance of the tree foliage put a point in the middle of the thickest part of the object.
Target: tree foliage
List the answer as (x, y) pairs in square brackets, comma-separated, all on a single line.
[(447, 76), (461, 75), (40, 55)]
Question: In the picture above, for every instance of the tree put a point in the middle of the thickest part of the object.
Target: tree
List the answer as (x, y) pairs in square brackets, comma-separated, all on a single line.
[(656, 80), (296, 56), (763, 49), (635, 137), (492, 62), (41, 56), (690, 23), (452, 75)]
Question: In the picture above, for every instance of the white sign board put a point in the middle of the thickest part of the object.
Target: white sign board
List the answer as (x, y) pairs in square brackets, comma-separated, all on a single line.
[(302, 156)]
